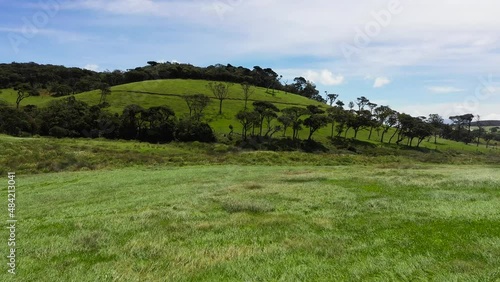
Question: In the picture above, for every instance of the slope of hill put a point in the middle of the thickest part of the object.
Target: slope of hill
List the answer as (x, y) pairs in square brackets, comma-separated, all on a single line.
[(486, 123), (170, 93)]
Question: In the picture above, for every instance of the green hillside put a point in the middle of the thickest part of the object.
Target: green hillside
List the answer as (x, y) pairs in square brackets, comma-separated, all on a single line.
[(170, 92)]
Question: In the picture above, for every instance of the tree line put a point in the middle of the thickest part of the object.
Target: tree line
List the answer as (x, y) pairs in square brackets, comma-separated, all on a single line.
[(72, 118), (53, 80), (361, 114)]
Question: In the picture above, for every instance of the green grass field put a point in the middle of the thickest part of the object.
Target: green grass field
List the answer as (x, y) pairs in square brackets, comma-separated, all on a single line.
[(108, 210), (260, 223)]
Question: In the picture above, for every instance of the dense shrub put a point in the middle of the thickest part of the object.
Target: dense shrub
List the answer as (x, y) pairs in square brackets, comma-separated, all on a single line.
[(189, 131)]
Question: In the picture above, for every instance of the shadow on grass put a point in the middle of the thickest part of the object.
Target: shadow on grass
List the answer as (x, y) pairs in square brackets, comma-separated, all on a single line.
[(305, 180), (282, 144)]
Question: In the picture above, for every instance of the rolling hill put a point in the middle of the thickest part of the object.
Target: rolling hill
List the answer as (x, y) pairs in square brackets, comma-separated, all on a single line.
[(170, 92)]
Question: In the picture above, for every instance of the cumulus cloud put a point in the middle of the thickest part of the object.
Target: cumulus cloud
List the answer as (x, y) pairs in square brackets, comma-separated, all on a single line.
[(324, 77), (381, 82), (445, 89), (92, 67)]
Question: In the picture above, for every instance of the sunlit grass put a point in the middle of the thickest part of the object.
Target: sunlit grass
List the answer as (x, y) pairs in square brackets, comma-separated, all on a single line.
[(257, 223)]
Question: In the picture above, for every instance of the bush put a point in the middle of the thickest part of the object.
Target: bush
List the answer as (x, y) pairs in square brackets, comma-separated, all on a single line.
[(58, 132), (190, 131)]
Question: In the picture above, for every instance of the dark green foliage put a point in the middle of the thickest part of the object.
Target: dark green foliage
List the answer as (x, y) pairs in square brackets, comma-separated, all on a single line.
[(14, 122), (159, 124), (190, 130), (462, 128), (315, 122), (265, 111), (58, 132), (247, 120), (73, 118), (62, 81), (73, 115), (294, 115)]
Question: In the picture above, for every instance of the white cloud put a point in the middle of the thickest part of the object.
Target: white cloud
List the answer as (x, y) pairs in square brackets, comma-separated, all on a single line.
[(92, 67), (381, 82), (463, 41), (487, 111), (324, 77), (444, 89)]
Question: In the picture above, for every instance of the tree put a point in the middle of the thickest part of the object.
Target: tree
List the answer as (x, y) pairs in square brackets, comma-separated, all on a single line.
[(386, 118), (23, 91), (75, 116), (59, 90), (159, 123), (12, 121), (265, 110), (421, 130), (247, 120), (294, 114), (362, 102), (131, 124), (286, 120), (188, 130), (315, 122), (437, 122), (152, 63), (462, 131), (220, 91), (331, 98), (247, 92), (335, 114), (196, 104), (105, 91), (373, 122), (488, 137), (359, 120), (313, 109), (351, 105)]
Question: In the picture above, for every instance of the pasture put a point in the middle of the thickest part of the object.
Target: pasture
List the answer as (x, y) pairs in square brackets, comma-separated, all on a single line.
[(260, 223)]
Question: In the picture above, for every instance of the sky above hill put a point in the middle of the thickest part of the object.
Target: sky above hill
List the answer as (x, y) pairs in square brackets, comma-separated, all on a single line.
[(419, 57)]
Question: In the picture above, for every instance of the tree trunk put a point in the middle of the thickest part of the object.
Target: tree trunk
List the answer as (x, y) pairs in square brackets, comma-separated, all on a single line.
[(220, 107), (395, 132), (261, 125), (382, 138)]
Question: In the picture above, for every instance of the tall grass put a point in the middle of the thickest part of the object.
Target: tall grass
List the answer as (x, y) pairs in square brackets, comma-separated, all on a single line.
[(260, 223)]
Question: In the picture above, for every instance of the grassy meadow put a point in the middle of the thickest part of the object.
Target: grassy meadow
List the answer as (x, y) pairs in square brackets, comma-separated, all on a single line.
[(261, 223), (113, 210)]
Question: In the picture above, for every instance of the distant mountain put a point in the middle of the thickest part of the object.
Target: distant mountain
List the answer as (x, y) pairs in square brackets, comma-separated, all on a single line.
[(487, 123)]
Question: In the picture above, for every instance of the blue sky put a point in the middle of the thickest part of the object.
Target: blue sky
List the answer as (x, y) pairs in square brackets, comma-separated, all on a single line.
[(419, 57)]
